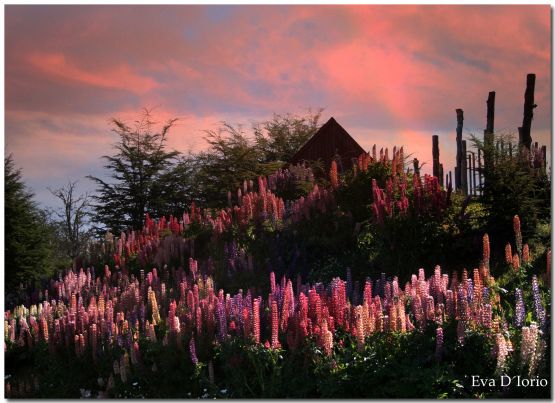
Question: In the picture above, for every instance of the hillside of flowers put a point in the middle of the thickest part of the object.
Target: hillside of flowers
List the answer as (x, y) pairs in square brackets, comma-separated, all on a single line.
[(375, 283)]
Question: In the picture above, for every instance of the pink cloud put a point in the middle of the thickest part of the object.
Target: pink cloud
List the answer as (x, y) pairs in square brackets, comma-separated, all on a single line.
[(119, 77)]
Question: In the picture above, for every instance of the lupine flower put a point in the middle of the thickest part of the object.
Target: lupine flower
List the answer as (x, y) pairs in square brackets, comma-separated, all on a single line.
[(508, 254), (256, 320), (518, 234), (516, 262), (539, 309), (193, 351), (275, 325), (460, 331), (439, 343), (502, 352), (485, 250), (525, 254), (520, 311), (531, 348)]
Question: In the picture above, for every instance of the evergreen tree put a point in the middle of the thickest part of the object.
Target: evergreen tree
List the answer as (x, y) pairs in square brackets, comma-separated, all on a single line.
[(27, 236), (137, 169)]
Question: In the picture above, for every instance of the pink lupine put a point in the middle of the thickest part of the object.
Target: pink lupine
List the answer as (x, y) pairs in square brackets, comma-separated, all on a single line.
[(256, 320), (502, 352), (275, 325), (508, 254)]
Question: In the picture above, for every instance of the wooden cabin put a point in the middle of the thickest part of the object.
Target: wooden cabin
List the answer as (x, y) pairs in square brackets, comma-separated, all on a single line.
[(330, 142)]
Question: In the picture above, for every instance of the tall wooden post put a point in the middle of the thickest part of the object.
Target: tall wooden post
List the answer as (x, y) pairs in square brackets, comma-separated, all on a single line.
[(544, 156), (435, 157), (458, 171), (474, 173), (441, 175), (488, 135), (470, 179), (524, 136), (416, 166), (480, 173), (464, 182)]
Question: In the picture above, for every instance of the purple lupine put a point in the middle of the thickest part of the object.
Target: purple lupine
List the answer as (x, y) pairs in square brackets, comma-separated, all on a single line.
[(193, 350), (539, 309), (520, 311), (222, 321), (439, 343)]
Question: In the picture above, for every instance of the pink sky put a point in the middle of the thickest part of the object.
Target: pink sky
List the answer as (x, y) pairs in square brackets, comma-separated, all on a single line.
[(391, 75)]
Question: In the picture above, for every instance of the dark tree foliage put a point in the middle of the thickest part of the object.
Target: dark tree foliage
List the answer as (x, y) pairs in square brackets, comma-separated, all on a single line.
[(138, 172), (233, 156), (280, 138), (27, 242), (516, 183), (230, 159)]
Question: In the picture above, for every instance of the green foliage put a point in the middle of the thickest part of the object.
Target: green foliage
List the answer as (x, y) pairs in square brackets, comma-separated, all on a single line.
[(515, 183), (139, 171), (280, 138), (28, 237)]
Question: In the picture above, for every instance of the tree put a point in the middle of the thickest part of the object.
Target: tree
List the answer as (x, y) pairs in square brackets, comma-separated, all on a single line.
[(230, 159), (72, 224), (282, 136), (136, 170), (26, 249)]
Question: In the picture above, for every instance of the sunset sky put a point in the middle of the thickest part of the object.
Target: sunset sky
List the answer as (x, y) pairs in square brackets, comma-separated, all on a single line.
[(391, 75)]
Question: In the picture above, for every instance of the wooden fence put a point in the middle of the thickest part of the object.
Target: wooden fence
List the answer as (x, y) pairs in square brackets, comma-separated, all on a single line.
[(471, 162)]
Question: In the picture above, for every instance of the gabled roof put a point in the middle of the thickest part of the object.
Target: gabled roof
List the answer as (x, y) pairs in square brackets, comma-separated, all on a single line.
[(330, 140)]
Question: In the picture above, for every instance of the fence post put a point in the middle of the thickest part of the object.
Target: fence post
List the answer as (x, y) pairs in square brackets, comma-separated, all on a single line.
[(458, 171), (435, 157), (524, 137), (488, 134), (441, 175), (464, 173), (416, 167)]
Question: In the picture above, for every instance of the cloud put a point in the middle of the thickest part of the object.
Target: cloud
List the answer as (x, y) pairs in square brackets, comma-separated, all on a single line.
[(120, 77), (391, 75)]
